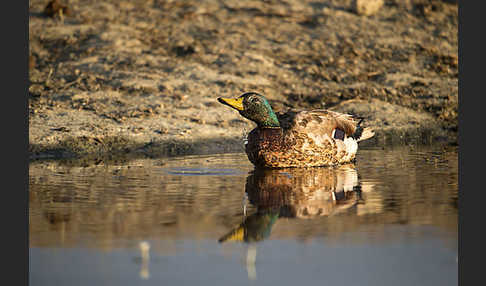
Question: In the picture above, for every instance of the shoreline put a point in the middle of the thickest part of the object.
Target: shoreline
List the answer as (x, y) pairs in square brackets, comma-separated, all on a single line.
[(137, 77)]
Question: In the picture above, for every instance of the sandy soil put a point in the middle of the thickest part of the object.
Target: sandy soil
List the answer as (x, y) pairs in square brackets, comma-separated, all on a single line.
[(142, 77)]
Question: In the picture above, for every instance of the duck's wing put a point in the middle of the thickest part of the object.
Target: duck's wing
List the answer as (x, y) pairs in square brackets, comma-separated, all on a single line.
[(320, 122)]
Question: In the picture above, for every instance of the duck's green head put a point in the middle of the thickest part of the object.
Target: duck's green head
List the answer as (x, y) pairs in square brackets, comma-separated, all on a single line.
[(255, 107)]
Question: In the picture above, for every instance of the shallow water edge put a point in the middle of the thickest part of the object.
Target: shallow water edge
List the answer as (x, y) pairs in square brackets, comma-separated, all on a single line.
[(123, 148)]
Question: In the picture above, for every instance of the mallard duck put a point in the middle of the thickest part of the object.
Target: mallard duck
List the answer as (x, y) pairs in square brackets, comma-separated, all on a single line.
[(298, 138), (295, 193), (305, 193)]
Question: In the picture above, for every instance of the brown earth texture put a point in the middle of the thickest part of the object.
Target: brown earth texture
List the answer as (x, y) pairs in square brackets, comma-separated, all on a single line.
[(141, 77)]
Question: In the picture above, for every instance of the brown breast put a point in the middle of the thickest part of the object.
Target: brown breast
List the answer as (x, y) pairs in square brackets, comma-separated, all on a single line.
[(263, 139)]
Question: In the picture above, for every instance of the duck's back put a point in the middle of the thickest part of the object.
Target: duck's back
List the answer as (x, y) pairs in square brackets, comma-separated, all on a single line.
[(307, 138)]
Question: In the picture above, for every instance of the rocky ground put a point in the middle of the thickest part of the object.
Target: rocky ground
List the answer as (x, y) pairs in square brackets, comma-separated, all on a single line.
[(141, 77)]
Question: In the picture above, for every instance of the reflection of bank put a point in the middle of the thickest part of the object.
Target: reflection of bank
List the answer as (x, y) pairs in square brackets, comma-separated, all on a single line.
[(303, 193)]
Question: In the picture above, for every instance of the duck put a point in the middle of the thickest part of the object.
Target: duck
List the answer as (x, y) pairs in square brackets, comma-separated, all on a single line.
[(298, 138), (295, 193)]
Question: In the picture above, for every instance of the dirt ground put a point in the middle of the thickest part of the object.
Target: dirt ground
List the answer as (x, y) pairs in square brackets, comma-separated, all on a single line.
[(142, 77)]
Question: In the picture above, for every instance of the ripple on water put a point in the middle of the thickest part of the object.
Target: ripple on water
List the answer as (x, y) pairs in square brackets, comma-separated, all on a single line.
[(202, 172), (394, 197)]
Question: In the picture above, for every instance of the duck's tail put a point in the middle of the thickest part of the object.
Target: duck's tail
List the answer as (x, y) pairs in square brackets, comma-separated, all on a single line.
[(362, 133), (367, 133)]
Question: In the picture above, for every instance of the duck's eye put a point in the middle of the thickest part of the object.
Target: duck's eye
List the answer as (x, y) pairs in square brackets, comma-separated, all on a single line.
[(255, 100)]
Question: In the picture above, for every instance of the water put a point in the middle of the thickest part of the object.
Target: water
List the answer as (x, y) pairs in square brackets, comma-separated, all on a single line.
[(388, 219)]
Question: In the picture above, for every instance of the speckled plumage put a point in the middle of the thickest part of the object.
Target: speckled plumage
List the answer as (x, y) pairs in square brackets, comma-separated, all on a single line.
[(302, 138), (295, 193), (304, 193)]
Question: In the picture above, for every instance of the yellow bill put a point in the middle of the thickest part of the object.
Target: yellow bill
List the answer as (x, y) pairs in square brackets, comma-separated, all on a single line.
[(236, 103), (235, 235)]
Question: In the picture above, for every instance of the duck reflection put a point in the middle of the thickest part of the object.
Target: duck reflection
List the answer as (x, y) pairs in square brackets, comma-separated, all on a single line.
[(295, 193)]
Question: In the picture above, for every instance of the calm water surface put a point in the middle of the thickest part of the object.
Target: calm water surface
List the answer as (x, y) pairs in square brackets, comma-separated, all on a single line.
[(388, 219)]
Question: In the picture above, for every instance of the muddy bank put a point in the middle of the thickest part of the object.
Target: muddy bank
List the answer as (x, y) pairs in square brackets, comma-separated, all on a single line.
[(142, 77)]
